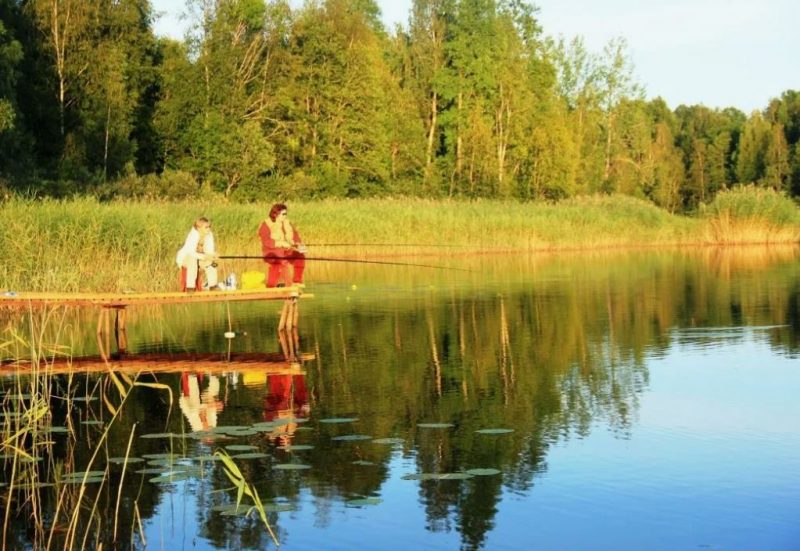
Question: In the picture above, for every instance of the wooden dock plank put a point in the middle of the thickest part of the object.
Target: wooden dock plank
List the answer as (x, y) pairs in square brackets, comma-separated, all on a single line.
[(165, 363), (122, 300)]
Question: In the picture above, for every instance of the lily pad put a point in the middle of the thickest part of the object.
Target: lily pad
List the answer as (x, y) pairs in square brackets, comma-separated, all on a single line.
[(363, 463), (279, 507), (90, 480), (160, 456), (166, 462), (336, 420), (483, 472), (206, 435), (296, 448), (364, 502), (437, 476), (159, 435), (228, 428), (435, 425), (291, 467), (292, 420), (232, 509), (250, 455), (351, 437), (55, 430), (207, 458), (92, 422), (241, 447), (123, 460), (243, 432), (153, 470), (80, 475), (266, 427), (494, 431), (167, 478), (388, 441)]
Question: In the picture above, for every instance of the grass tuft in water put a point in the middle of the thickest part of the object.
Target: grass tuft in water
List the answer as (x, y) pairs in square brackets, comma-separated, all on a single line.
[(243, 488)]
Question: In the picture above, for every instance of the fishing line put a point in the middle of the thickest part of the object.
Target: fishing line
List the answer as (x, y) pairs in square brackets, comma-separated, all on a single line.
[(353, 260), (383, 245)]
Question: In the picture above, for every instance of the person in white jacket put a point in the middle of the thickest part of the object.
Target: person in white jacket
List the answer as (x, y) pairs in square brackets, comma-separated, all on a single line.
[(198, 252)]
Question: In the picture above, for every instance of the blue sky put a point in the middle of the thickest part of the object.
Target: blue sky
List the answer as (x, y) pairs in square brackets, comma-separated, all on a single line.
[(721, 53)]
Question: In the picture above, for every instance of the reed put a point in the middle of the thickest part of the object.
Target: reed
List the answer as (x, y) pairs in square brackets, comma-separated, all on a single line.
[(82, 244), (749, 214), (26, 438)]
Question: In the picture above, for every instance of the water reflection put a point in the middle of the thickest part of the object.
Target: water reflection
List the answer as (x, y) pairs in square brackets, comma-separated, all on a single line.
[(200, 408), (385, 392)]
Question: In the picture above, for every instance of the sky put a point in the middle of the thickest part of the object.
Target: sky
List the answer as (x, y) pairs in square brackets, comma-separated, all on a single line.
[(719, 53)]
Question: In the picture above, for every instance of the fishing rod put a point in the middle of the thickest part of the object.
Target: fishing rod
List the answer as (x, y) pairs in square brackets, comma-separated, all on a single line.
[(382, 245), (353, 260)]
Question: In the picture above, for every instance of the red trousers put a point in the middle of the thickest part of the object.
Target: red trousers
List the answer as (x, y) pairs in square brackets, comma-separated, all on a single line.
[(182, 280), (279, 260)]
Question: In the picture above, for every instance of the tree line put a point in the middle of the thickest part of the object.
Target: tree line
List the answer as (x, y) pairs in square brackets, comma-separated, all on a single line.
[(262, 100)]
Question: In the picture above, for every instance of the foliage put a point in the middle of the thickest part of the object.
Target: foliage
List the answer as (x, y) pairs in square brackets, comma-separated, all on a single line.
[(265, 99)]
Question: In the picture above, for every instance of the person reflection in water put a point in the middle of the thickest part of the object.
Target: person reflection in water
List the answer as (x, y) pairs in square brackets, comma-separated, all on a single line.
[(287, 396), (200, 408)]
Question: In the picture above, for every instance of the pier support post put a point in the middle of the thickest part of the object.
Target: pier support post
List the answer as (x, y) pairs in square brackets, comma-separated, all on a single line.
[(289, 315)]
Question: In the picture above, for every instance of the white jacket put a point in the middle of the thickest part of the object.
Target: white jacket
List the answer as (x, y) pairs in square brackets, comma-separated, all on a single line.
[(190, 247)]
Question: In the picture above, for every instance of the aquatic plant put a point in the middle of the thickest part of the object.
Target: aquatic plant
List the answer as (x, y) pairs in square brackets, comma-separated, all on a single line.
[(243, 488)]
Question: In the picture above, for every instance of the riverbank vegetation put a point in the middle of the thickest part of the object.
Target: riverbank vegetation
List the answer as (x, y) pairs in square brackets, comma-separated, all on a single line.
[(264, 100), (85, 244)]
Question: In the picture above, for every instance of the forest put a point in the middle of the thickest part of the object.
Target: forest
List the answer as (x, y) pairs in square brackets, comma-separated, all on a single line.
[(261, 100)]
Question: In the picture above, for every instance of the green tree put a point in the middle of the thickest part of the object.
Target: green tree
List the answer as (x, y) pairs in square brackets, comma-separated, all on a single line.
[(616, 83), (342, 98), (65, 27), (776, 160), (10, 56), (428, 30), (579, 76), (751, 155), (217, 134), (786, 112), (707, 140)]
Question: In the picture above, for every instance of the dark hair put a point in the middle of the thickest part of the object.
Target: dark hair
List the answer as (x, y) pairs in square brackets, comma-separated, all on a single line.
[(275, 210)]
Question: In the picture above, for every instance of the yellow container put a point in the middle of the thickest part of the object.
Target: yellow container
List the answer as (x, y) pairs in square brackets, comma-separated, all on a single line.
[(253, 280)]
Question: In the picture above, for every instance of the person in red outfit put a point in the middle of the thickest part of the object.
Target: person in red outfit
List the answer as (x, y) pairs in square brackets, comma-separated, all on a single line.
[(280, 246)]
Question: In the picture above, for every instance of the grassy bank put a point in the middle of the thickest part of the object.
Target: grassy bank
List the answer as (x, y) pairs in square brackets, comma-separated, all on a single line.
[(82, 244)]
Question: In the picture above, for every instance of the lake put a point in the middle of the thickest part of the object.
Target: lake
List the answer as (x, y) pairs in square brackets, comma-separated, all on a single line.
[(637, 400)]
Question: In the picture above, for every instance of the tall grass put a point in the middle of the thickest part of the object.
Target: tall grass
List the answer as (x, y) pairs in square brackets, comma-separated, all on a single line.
[(751, 215), (85, 245)]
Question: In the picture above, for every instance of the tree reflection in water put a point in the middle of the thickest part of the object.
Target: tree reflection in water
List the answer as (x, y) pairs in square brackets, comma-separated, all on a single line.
[(552, 349)]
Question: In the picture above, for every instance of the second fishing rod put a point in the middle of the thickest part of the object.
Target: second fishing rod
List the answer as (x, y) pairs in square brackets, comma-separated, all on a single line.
[(269, 258)]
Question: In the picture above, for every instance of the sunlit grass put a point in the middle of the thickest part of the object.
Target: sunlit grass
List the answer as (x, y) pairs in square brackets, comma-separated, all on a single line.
[(84, 245), (752, 215)]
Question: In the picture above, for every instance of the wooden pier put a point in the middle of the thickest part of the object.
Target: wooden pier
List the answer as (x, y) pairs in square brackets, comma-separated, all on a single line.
[(119, 302)]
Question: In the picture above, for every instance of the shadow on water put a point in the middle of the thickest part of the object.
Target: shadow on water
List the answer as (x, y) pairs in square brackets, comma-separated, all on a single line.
[(460, 384)]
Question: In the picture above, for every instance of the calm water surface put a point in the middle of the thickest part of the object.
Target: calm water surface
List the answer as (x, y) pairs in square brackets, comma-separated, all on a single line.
[(627, 401)]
